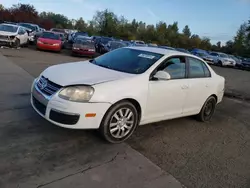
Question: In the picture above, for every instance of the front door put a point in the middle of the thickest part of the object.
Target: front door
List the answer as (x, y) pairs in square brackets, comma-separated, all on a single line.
[(166, 97)]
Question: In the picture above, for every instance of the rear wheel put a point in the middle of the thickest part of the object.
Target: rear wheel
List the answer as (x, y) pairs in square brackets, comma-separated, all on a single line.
[(119, 122), (207, 110)]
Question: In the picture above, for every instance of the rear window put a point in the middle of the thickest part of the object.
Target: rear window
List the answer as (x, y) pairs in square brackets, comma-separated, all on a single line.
[(49, 35)]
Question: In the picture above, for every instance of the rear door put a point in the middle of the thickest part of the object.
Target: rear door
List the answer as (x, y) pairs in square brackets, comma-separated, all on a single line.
[(200, 85)]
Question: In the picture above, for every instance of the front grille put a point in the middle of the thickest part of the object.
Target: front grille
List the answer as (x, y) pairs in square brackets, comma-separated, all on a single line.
[(63, 118), (3, 37), (39, 106), (47, 87)]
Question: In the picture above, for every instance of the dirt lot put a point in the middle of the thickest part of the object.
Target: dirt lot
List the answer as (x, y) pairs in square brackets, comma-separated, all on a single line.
[(214, 154)]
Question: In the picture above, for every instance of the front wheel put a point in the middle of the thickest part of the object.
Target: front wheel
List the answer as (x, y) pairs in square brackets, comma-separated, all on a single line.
[(119, 122), (207, 110), (220, 64), (17, 43)]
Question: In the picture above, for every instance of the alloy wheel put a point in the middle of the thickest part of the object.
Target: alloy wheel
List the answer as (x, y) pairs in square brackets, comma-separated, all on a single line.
[(121, 123)]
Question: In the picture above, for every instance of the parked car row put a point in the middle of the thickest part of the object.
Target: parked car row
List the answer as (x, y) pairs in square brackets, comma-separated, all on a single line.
[(222, 59), (80, 43)]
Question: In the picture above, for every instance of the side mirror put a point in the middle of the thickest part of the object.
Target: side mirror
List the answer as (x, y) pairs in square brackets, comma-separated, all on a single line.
[(162, 75)]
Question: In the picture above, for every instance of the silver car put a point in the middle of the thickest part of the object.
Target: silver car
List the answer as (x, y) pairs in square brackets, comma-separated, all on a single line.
[(222, 59)]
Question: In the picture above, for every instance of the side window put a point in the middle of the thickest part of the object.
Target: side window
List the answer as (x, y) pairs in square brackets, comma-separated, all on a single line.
[(197, 69), (21, 31), (175, 66), (206, 70)]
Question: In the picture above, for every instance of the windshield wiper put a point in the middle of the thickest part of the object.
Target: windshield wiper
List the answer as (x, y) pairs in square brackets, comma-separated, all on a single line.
[(92, 61), (105, 66)]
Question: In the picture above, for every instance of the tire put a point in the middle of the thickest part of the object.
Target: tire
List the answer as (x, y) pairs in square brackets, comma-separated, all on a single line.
[(113, 120), (207, 110), (17, 43), (26, 44), (220, 64)]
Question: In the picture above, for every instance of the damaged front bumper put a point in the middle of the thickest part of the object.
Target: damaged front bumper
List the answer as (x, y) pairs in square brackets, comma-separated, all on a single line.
[(7, 40)]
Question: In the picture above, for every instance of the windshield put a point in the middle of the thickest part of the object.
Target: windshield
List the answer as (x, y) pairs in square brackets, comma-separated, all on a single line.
[(139, 42), (128, 60), (223, 55), (49, 35), (62, 36), (81, 34), (201, 54), (8, 28), (84, 42), (58, 30), (115, 45), (105, 40), (33, 28), (234, 58)]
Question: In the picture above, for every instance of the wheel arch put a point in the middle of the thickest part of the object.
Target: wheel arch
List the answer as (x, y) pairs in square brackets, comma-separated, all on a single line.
[(132, 101), (215, 96)]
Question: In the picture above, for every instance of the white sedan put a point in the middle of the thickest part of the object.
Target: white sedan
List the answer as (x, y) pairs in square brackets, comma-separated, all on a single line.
[(13, 35), (125, 88)]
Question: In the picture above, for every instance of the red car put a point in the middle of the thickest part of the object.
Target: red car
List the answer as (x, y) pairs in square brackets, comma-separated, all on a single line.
[(83, 47), (49, 41)]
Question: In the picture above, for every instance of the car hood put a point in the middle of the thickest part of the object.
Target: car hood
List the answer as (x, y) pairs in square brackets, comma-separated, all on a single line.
[(81, 46), (5, 33), (82, 72)]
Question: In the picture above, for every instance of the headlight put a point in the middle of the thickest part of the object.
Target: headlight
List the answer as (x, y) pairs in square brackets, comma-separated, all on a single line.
[(77, 93), (76, 48), (91, 50), (56, 44), (39, 42)]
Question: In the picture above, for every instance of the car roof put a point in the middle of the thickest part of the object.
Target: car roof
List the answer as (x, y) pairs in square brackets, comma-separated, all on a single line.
[(10, 25), (28, 23), (162, 51)]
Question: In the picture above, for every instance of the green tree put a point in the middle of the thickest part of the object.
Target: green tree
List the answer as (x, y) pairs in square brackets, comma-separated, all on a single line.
[(218, 44), (240, 42), (59, 20), (80, 25), (186, 31), (1, 7), (106, 22)]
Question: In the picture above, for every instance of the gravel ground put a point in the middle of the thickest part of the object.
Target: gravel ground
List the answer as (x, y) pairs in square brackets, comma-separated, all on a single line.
[(214, 154), (237, 82)]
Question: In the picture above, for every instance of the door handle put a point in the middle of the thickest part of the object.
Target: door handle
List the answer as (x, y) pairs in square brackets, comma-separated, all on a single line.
[(184, 87)]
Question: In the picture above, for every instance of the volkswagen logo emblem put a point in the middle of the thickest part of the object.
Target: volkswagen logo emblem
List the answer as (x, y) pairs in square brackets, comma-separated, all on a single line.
[(44, 84)]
